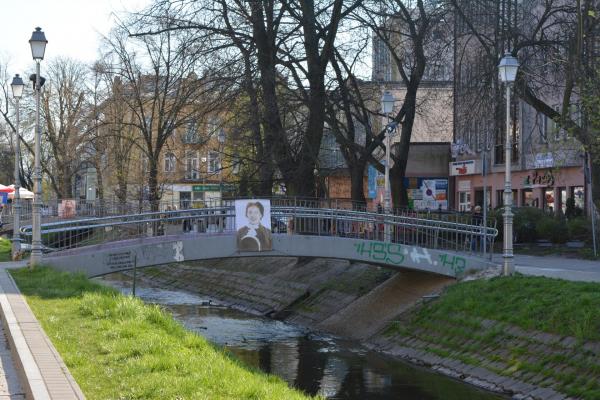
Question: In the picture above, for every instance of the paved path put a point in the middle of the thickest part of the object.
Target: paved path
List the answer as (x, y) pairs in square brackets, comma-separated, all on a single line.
[(571, 269), (43, 373), (10, 387)]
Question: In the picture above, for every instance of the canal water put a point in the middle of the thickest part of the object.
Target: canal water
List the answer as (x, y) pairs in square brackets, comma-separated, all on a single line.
[(313, 363)]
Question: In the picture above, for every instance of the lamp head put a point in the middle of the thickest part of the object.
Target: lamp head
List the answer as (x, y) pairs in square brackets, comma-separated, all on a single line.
[(507, 70), (387, 102), (38, 44), (17, 86)]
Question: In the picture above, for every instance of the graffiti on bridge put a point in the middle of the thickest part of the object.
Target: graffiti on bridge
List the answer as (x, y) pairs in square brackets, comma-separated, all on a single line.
[(455, 263), (379, 251), (393, 253)]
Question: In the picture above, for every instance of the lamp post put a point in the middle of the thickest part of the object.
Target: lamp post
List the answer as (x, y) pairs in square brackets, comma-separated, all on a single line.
[(387, 106), (221, 140), (38, 47), (17, 86), (508, 72)]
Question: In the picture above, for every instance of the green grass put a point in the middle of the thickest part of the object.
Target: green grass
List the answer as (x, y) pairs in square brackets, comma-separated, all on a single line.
[(536, 303), (5, 250), (455, 325), (117, 347)]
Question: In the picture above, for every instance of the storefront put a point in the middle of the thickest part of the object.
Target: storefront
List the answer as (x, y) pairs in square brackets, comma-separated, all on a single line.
[(197, 196), (545, 188)]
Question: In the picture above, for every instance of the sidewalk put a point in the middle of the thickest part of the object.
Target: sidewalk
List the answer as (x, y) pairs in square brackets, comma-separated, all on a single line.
[(42, 373), (571, 269)]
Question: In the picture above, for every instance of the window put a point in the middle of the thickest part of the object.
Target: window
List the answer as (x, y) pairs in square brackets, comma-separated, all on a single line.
[(214, 162), (579, 196), (549, 201), (542, 122), (190, 135), (464, 201), (212, 126), (191, 165), (169, 162), (528, 199), (500, 198)]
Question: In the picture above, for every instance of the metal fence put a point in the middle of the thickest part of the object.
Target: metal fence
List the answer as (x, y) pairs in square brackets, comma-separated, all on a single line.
[(450, 231), (51, 209)]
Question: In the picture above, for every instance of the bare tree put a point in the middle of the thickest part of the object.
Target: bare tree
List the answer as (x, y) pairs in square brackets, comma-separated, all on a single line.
[(283, 47), (554, 42), (65, 112), (417, 36), (160, 91)]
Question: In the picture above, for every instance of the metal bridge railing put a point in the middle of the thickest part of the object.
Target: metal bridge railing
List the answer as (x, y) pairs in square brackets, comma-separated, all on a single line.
[(447, 232)]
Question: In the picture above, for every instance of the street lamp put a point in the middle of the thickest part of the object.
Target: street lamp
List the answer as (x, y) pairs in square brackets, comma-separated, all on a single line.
[(508, 72), (221, 140), (38, 47), (387, 106), (17, 86)]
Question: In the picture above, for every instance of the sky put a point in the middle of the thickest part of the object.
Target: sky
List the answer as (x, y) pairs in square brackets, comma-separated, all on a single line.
[(73, 28)]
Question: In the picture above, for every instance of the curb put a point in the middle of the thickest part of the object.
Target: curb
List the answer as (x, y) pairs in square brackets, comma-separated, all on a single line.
[(42, 372)]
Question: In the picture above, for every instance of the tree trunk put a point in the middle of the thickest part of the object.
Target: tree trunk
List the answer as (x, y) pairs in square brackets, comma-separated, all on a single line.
[(65, 185), (153, 187), (99, 190), (303, 182), (357, 172), (398, 170), (595, 179)]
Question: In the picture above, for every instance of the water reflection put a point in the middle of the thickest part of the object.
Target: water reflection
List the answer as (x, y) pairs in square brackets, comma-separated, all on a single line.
[(316, 364)]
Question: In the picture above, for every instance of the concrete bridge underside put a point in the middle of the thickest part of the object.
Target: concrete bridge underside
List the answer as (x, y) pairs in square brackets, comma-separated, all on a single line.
[(98, 260)]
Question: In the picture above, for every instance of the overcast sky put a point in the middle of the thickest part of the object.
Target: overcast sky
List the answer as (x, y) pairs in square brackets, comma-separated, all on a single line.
[(73, 28)]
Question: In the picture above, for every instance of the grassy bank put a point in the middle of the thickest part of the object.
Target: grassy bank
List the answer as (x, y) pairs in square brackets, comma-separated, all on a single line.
[(117, 347), (539, 330), (5, 250)]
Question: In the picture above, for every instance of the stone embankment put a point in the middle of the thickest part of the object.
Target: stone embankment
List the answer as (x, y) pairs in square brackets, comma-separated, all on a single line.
[(362, 301)]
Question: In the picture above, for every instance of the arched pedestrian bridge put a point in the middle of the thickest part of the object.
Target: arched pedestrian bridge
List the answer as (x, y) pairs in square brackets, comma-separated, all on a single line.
[(444, 244)]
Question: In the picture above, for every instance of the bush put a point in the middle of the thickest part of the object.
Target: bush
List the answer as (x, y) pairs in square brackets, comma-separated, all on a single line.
[(552, 229), (571, 209), (579, 228), (525, 223)]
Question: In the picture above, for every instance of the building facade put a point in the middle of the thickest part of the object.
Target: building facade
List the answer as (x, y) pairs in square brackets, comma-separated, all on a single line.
[(547, 163)]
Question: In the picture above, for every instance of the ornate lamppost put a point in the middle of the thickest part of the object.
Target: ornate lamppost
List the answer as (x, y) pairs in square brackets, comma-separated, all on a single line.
[(508, 72), (17, 86), (38, 48)]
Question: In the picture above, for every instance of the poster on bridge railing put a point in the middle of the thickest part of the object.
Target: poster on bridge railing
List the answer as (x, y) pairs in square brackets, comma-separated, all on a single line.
[(253, 225), (67, 209)]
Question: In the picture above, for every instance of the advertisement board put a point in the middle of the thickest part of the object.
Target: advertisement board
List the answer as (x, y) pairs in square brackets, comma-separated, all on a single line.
[(427, 193)]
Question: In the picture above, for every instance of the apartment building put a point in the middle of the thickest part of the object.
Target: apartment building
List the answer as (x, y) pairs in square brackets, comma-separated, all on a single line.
[(547, 163)]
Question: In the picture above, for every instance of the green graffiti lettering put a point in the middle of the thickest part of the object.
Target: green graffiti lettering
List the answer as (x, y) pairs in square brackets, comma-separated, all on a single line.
[(456, 263), (380, 251), (395, 255)]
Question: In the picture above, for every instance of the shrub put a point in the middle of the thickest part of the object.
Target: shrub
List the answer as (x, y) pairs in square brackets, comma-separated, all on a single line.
[(579, 228), (525, 223), (571, 209), (552, 229)]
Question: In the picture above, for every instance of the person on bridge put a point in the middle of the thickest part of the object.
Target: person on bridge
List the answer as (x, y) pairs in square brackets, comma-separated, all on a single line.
[(254, 236)]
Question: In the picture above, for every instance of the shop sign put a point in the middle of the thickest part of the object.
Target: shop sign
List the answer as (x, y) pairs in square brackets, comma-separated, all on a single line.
[(462, 168), (539, 179), (212, 187), (543, 160)]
